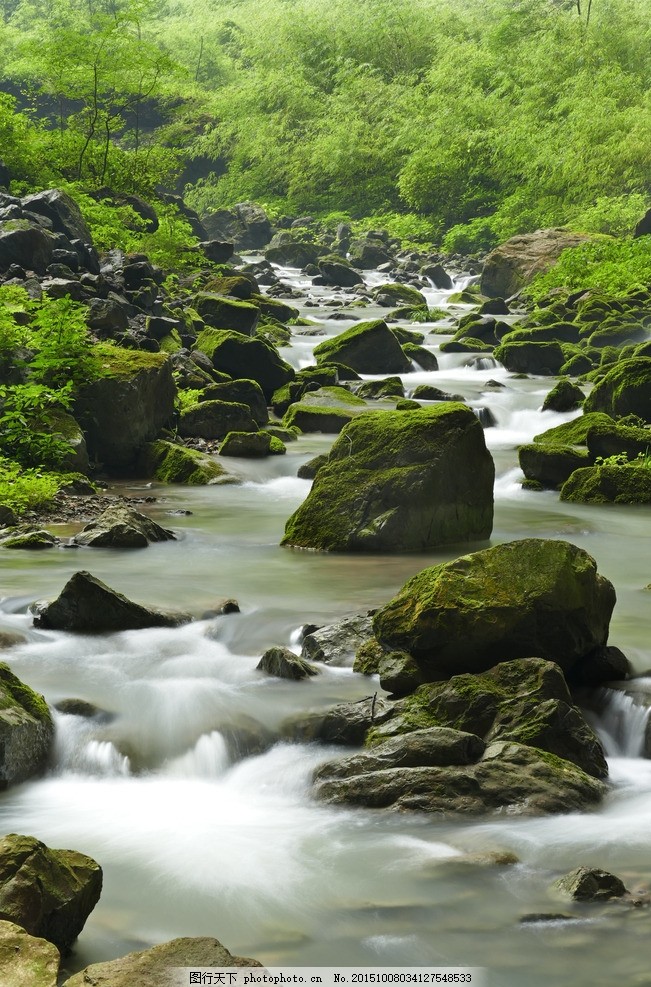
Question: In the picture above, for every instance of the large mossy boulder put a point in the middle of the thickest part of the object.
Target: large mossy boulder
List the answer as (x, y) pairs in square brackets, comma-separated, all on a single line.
[(220, 312), (246, 392), (400, 481), (530, 598), (49, 893), (170, 463), (215, 419), (313, 418), (244, 357), (550, 465), (121, 526), (26, 729), (368, 348), (86, 605), (159, 966), (516, 262), (627, 483), (574, 433), (544, 359), (625, 390), (615, 439), (127, 406)]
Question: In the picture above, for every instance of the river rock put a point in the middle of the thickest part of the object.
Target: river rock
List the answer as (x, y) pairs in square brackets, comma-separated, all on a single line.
[(244, 357), (171, 463), (284, 664), (121, 526), (544, 359), (88, 606), (252, 445), (26, 729), (127, 406), (26, 961), (246, 392), (338, 274), (516, 262), (628, 483), (215, 419), (220, 312), (313, 418), (625, 390), (346, 723), (525, 701), (368, 347), (529, 598), (550, 465), (509, 778), (564, 396), (614, 439), (399, 481), (158, 966), (590, 884), (336, 644), (50, 893), (574, 433), (398, 294)]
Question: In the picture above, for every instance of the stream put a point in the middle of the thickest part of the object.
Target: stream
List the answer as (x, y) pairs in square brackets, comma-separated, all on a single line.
[(196, 841)]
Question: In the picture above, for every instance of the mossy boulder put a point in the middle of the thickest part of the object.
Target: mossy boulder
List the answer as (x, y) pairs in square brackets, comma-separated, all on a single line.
[(25, 537), (49, 893), (215, 419), (26, 729), (590, 884), (509, 778), (339, 274), (400, 481), (550, 465), (252, 445), (398, 294), (170, 463), (624, 390), (246, 392), (284, 664), (121, 526), (423, 357), (534, 597), (544, 359), (574, 433), (86, 605), (564, 396), (374, 390), (159, 966), (127, 406), (220, 312), (275, 308), (346, 724), (617, 439), (313, 418), (609, 484), (244, 358), (294, 254), (333, 397), (369, 348), (336, 644)]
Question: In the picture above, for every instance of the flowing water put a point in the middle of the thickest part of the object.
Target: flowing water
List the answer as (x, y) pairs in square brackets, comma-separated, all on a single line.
[(205, 826)]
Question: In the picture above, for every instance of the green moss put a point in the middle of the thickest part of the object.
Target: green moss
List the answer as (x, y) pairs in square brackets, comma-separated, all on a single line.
[(573, 433), (312, 418), (14, 692), (114, 361), (170, 463), (171, 343), (368, 657), (625, 389), (609, 484)]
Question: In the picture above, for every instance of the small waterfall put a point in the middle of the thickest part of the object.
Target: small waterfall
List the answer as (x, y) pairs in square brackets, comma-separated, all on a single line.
[(208, 758), (622, 724), (77, 751)]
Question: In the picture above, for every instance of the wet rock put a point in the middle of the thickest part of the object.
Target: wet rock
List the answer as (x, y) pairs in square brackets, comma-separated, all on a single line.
[(26, 961), (564, 396), (437, 275), (88, 606), (590, 884), (215, 419), (50, 893), (398, 294), (312, 418), (347, 723), (608, 484), (26, 729), (369, 348), (157, 967), (9, 639), (120, 526), (400, 481), (603, 664), (252, 445), (28, 538), (307, 471), (616, 439), (550, 465), (246, 392), (338, 274), (544, 359), (79, 707), (533, 597), (535, 918), (425, 359), (336, 644), (220, 312), (245, 358), (284, 664), (373, 390), (625, 390)]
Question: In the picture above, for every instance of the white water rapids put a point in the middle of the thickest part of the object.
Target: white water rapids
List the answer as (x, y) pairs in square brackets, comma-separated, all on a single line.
[(204, 825)]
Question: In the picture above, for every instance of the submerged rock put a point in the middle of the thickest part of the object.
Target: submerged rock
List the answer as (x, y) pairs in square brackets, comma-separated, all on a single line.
[(534, 597), (400, 481), (590, 884), (26, 729), (88, 606), (50, 893), (157, 967), (121, 526)]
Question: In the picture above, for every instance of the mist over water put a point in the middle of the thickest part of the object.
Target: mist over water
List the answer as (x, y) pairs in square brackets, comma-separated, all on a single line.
[(202, 817)]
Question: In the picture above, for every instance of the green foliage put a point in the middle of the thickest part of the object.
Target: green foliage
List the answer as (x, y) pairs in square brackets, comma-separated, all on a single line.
[(25, 489), (612, 266), (187, 398), (23, 425)]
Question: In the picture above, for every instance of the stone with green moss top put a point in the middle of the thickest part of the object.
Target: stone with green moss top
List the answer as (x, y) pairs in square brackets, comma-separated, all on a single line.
[(222, 312), (245, 358), (26, 729), (618, 439), (607, 483), (533, 597), (171, 343), (27, 960), (368, 348), (400, 481), (421, 356), (170, 463), (624, 390), (550, 465), (33, 539), (251, 444), (574, 433), (215, 419), (396, 293), (312, 418), (240, 391), (544, 359), (564, 396), (374, 390)]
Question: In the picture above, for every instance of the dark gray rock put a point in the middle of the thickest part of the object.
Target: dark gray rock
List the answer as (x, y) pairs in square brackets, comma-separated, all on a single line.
[(26, 730), (121, 526), (337, 643), (284, 664)]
